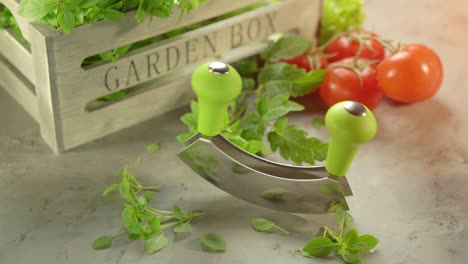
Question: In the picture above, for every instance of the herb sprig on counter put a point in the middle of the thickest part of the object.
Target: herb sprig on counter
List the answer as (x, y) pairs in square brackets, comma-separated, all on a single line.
[(140, 219), (260, 110), (346, 245)]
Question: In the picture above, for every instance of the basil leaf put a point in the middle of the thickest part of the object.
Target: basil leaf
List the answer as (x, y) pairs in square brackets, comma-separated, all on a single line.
[(350, 237), (366, 243), (286, 48), (66, 20), (102, 242), (265, 225), (183, 228), (156, 243), (213, 243), (110, 188), (319, 247), (343, 218), (112, 15)]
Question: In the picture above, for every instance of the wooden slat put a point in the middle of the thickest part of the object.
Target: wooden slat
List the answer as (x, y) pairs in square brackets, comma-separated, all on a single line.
[(50, 118), (95, 38), (18, 87), (17, 54), (80, 126)]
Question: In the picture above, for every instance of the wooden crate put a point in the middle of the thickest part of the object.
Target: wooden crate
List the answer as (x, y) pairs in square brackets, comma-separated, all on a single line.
[(48, 81)]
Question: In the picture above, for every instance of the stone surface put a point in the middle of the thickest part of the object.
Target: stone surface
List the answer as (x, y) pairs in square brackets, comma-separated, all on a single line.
[(410, 183)]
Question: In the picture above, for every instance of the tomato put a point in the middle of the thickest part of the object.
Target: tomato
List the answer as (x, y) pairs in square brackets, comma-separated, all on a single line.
[(310, 60), (342, 83), (412, 74), (345, 46)]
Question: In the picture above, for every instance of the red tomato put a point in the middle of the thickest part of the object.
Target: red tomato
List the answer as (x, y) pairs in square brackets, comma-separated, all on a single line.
[(310, 60), (345, 47), (412, 74), (342, 83)]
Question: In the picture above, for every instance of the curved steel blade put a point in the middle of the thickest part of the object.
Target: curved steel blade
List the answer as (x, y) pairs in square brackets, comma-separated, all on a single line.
[(262, 182)]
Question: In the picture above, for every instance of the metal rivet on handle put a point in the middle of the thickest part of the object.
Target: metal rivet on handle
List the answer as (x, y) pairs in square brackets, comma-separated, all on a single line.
[(355, 108), (217, 67)]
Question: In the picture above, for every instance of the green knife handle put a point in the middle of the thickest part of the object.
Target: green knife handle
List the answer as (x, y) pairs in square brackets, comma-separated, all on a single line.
[(349, 124), (216, 85)]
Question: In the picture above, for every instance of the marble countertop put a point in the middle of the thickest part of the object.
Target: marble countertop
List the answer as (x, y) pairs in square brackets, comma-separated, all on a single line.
[(410, 184)]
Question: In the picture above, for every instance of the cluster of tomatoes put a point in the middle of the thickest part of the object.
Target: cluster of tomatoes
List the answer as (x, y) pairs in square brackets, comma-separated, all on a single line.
[(362, 67)]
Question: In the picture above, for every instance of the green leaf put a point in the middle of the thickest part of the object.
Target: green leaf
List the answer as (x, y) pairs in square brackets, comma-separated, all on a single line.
[(66, 20), (293, 143), (350, 237), (89, 3), (125, 191), (154, 224), (246, 67), (319, 247), (352, 258), (265, 225), (213, 243), (283, 78), (318, 122), (32, 9), (285, 48), (110, 188), (111, 14), (366, 243), (49, 5), (191, 121), (183, 228), (102, 242), (152, 148), (343, 218), (130, 220), (280, 106), (156, 243)]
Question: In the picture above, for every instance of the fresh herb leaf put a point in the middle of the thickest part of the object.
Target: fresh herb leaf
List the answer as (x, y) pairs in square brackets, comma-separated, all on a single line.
[(156, 243), (183, 228), (352, 258), (286, 48), (347, 247), (110, 188), (102, 242), (191, 121), (278, 107), (351, 237), (343, 218), (295, 145), (66, 19), (213, 243), (319, 247), (366, 243), (265, 225), (284, 78)]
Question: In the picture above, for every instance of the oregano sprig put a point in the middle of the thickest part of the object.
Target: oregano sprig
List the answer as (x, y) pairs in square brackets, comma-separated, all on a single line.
[(140, 219), (345, 244)]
